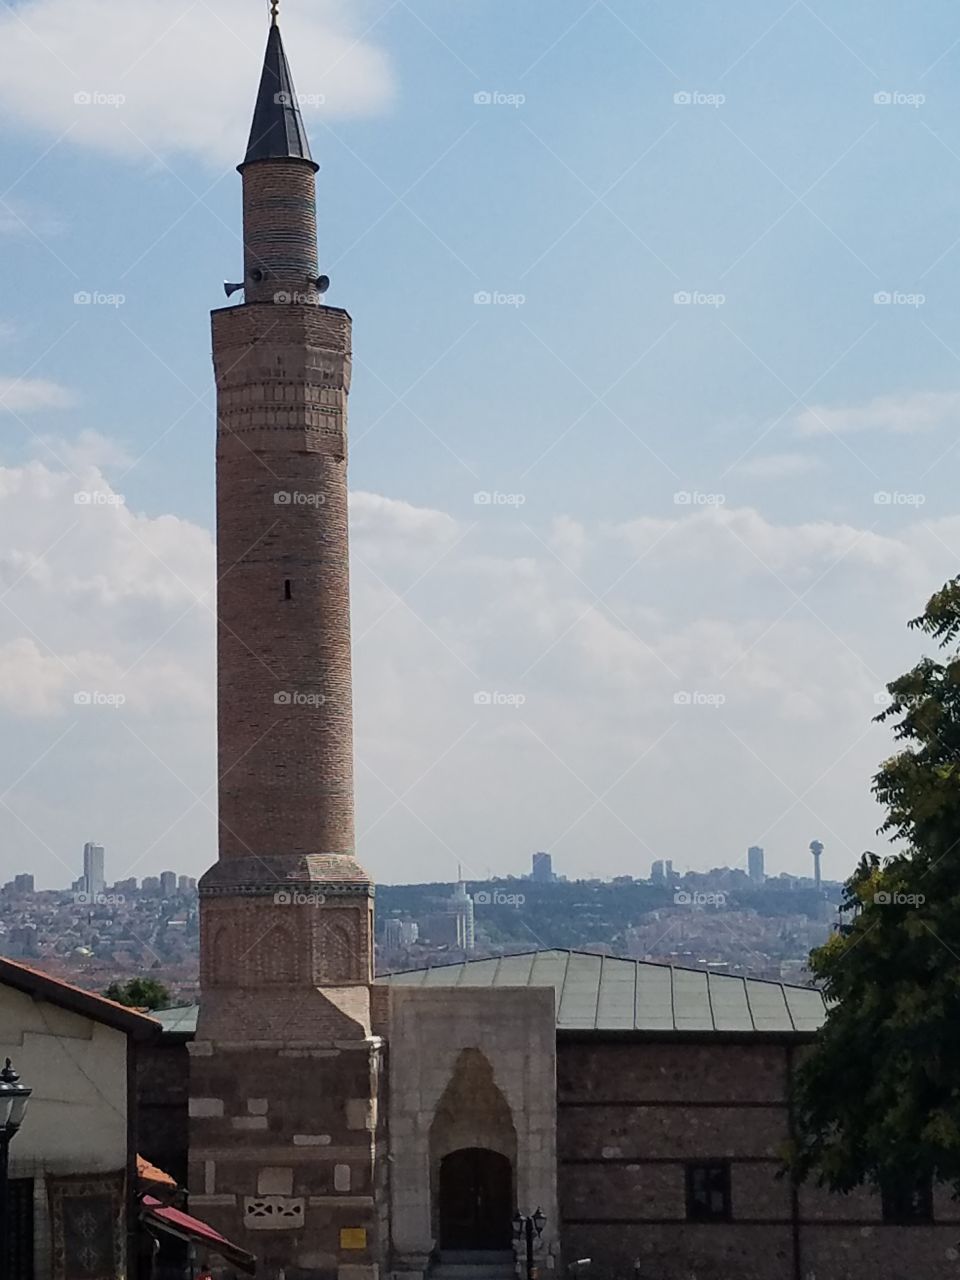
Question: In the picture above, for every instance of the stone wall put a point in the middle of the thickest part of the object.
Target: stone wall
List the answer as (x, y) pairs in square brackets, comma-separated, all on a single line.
[(284, 1155), (163, 1088), (469, 1068), (631, 1113)]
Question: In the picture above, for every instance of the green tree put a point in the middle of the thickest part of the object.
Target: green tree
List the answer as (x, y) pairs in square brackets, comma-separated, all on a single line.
[(139, 993), (877, 1101)]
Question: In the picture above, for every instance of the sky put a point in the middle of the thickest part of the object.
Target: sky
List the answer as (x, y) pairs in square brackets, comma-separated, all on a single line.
[(653, 420)]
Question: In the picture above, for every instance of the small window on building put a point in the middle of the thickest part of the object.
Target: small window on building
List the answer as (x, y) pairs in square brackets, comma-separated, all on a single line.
[(906, 1203), (708, 1191), (287, 589)]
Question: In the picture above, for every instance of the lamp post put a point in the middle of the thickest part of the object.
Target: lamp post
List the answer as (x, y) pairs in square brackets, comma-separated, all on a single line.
[(525, 1228), (13, 1104)]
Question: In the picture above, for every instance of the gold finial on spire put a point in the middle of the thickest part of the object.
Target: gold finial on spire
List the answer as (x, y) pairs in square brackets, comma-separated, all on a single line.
[(274, 12)]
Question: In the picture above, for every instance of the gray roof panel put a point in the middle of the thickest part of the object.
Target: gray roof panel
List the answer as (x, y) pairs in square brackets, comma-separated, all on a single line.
[(728, 999), (768, 1006), (605, 993), (806, 1007), (482, 973), (691, 1001), (514, 971), (616, 1001), (581, 992), (654, 1003)]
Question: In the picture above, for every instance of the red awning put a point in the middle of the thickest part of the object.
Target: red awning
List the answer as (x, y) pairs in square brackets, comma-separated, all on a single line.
[(181, 1224)]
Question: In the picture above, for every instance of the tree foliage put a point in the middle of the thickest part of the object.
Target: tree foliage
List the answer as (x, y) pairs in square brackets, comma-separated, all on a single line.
[(139, 993), (877, 1101)]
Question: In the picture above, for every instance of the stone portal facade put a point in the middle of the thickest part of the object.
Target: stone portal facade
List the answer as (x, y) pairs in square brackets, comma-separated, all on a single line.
[(470, 1070), (285, 1077)]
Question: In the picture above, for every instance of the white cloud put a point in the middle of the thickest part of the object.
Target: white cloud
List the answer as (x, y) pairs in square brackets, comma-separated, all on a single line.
[(900, 415), (99, 598), (21, 395), (387, 519), (154, 77), (88, 449), (568, 538), (741, 537), (19, 219)]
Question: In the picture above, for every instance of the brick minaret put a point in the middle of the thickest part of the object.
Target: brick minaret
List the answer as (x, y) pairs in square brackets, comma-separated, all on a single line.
[(285, 1069)]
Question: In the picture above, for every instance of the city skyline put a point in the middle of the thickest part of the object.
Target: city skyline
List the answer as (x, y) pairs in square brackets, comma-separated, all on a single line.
[(636, 510), (540, 868)]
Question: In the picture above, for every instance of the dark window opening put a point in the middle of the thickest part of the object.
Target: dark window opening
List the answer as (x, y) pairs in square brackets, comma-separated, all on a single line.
[(708, 1191), (907, 1202), (287, 593)]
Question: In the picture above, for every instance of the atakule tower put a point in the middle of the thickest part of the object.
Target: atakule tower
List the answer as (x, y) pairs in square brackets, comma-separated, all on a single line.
[(285, 1070)]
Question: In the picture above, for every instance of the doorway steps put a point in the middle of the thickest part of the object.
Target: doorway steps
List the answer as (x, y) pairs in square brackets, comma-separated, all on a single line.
[(474, 1264)]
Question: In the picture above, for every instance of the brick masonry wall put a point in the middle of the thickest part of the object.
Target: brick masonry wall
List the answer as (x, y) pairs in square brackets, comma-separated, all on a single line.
[(279, 228), (285, 714), (284, 1154), (163, 1088), (631, 1113), (284, 1073)]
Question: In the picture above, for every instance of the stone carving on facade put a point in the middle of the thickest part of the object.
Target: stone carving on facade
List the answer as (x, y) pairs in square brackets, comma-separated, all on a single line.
[(273, 1213)]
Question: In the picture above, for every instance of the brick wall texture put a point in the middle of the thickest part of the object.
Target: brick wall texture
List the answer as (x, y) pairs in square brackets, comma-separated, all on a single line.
[(629, 1115), (279, 228), (285, 717)]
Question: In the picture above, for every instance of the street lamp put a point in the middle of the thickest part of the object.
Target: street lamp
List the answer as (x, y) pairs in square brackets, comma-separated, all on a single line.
[(13, 1104), (525, 1227)]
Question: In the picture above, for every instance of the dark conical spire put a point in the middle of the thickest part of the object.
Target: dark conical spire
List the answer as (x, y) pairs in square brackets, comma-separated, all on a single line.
[(277, 132)]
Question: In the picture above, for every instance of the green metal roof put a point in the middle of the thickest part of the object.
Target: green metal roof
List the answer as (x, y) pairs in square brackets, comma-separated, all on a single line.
[(602, 993), (182, 1021)]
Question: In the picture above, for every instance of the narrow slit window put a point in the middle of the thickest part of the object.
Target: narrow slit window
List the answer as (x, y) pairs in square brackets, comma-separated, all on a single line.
[(287, 592)]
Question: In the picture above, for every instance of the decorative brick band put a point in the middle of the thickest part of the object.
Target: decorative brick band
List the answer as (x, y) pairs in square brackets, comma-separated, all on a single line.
[(349, 890)]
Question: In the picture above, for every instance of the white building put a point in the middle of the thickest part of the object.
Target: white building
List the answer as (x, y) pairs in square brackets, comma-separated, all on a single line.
[(94, 880), (466, 928), (78, 1193)]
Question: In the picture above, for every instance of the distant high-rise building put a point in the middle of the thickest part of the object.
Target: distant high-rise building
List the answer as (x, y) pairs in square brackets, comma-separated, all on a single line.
[(23, 941), (410, 933), (23, 884), (656, 870), (816, 848), (463, 908), (168, 883), (150, 885), (186, 884), (668, 869), (542, 868), (755, 864), (94, 881), (400, 933)]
